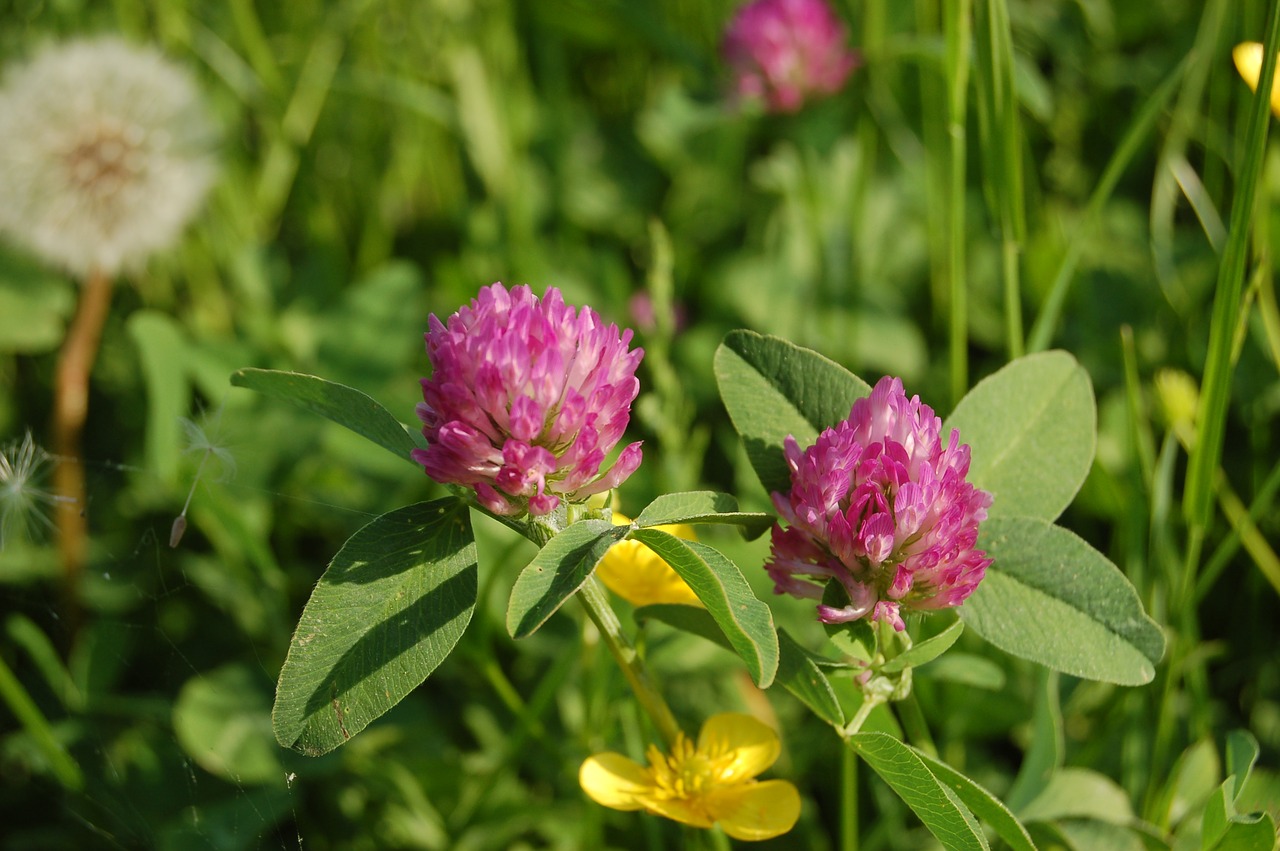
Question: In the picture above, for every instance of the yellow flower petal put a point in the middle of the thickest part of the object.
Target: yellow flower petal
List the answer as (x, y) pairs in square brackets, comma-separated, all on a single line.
[(690, 812), (756, 811), (638, 575), (613, 780), (753, 743), (1248, 59)]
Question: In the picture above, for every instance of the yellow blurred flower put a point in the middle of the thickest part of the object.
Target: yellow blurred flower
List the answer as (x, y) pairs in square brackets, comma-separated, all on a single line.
[(713, 783), (1248, 59), (639, 575)]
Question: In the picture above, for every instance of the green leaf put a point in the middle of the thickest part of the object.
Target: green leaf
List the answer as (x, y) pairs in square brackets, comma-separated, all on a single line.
[(1079, 793), (773, 388), (556, 572), (940, 809), (1032, 431), (703, 507), (798, 672), (344, 405), (1242, 755), (222, 719), (746, 622), (392, 605), (798, 669), (162, 353), (1249, 833), (926, 651), (1051, 598), (983, 804)]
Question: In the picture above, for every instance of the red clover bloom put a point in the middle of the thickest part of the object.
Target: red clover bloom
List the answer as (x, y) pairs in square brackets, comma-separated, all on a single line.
[(526, 399), (783, 52), (880, 504)]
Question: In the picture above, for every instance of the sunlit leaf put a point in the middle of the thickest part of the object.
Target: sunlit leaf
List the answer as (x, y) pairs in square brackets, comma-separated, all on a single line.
[(1051, 598), (344, 405), (746, 622), (392, 605), (1031, 430), (773, 388)]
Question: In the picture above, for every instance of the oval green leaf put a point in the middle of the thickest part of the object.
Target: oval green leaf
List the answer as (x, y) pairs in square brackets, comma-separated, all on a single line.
[(556, 572), (746, 622), (1051, 598), (346, 406), (392, 605), (1032, 431), (697, 507), (772, 388), (934, 803)]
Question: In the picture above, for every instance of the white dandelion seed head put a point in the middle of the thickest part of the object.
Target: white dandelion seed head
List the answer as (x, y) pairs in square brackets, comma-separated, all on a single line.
[(105, 154), (23, 504)]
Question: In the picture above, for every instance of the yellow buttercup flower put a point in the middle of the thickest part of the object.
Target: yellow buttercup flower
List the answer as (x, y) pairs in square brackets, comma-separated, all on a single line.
[(712, 783), (639, 575), (1248, 59)]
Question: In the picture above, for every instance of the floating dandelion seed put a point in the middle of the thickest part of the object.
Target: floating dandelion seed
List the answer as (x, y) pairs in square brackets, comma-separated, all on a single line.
[(104, 154), (198, 440), (22, 501)]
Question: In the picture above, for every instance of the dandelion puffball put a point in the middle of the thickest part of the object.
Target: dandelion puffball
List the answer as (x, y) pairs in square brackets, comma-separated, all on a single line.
[(105, 154)]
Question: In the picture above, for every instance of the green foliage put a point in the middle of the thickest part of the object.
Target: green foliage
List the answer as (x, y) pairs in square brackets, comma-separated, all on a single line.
[(380, 162), (391, 606), (746, 622), (1051, 598)]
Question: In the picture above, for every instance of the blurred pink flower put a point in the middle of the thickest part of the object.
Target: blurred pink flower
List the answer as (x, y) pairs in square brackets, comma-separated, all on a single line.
[(880, 504), (784, 52), (526, 399)]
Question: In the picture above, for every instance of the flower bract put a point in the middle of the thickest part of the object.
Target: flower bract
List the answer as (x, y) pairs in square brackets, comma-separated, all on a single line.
[(104, 154), (880, 504), (710, 783), (526, 399), (786, 52), (639, 575)]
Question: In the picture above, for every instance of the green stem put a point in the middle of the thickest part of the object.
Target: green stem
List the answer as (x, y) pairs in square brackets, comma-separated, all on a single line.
[(913, 724), (957, 23), (593, 599), (848, 800)]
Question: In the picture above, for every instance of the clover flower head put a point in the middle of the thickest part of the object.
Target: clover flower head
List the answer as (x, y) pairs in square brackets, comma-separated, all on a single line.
[(1248, 59), (639, 575), (703, 785), (526, 399), (880, 504), (786, 52), (104, 154)]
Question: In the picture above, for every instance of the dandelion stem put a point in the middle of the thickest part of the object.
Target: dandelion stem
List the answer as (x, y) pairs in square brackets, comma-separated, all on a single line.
[(593, 599), (71, 408)]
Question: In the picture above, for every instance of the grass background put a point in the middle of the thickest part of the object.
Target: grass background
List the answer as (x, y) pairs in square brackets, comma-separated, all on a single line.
[(382, 159)]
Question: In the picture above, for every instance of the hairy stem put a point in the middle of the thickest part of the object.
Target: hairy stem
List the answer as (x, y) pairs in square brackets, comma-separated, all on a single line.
[(70, 410)]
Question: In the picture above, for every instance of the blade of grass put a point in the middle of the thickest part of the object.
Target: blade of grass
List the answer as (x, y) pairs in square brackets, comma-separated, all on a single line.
[(957, 24), (1215, 385), (1187, 119), (1001, 140), (1051, 311)]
